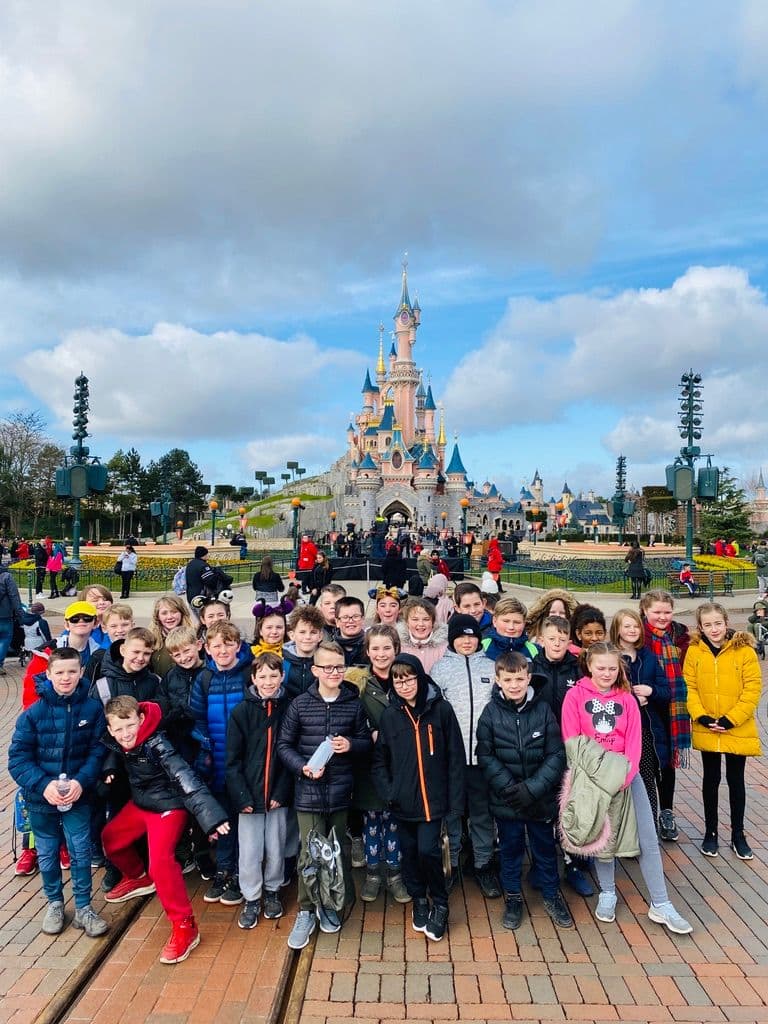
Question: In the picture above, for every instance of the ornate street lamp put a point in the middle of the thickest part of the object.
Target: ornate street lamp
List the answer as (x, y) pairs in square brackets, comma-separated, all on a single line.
[(213, 505), (295, 505)]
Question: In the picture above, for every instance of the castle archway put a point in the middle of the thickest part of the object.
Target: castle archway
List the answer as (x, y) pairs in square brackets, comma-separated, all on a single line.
[(397, 510)]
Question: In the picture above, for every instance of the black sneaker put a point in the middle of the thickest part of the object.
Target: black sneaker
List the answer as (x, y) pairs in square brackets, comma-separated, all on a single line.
[(558, 910), (668, 827), (273, 908), (289, 871), (437, 922), (453, 880), (218, 886), (111, 877), (740, 846), (231, 896), (420, 915), (249, 915), (709, 846), (488, 881), (205, 866), (512, 917)]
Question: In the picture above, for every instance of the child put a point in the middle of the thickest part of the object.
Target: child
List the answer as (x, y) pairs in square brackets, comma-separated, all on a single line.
[(118, 622), (211, 610), (215, 694), (436, 592), (468, 599), (326, 605), (44, 747), (350, 632), (387, 603), (521, 754), (102, 600), (259, 788), (420, 632), (37, 632), (668, 641), (722, 674), (508, 632), (267, 584), (687, 579), (757, 625), (329, 708), (418, 769), (465, 676), (271, 628), (169, 612), (553, 602), (651, 690), (164, 790), (305, 626), (601, 707), (79, 621), (124, 668), (588, 626)]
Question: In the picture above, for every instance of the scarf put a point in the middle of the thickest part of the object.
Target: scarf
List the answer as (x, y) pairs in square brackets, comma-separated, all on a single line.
[(262, 647), (662, 645)]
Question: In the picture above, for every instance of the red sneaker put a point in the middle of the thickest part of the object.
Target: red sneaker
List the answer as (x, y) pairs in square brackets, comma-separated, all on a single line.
[(27, 863), (65, 861), (130, 888), (183, 940)]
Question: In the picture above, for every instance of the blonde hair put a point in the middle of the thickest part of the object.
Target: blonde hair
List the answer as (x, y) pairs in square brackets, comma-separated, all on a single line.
[(178, 604), (652, 596), (618, 618), (121, 611), (509, 606), (181, 636), (604, 647), (707, 609)]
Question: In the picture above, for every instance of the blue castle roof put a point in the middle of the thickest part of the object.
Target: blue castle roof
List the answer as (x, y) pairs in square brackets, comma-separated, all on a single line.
[(456, 465)]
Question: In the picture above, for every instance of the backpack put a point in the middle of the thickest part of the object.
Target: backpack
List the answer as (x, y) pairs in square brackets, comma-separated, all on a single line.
[(179, 584), (761, 559)]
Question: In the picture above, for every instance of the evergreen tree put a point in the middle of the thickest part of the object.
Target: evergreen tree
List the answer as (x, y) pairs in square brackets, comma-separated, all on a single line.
[(728, 516)]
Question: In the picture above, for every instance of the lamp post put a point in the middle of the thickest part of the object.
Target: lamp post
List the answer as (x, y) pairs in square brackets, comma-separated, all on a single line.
[(464, 504), (180, 528), (213, 505), (333, 521), (594, 527), (534, 522), (559, 520), (295, 505), (443, 516)]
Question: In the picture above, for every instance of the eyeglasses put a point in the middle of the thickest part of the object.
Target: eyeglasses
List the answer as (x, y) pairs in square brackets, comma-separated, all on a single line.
[(404, 680), (82, 618), (332, 670), (348, 618)]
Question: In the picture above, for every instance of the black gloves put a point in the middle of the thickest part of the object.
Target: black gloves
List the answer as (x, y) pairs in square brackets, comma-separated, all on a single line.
[(518, 796)]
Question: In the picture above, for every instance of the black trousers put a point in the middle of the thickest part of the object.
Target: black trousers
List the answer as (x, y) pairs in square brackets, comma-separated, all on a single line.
[(710, 784), (422, 862)]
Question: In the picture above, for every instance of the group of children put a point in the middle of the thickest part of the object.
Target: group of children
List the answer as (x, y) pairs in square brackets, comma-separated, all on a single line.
[(505, 720)]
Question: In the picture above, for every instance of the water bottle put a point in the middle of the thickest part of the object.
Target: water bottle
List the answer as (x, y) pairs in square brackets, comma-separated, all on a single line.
[(63, 786)]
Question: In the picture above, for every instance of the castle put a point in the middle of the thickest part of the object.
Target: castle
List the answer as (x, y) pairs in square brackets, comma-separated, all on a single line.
[(395, 465)]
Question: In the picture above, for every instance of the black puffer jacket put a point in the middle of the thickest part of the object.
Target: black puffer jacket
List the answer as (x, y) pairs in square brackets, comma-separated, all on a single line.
[(298, 671), (419, 759), (144, 685), (521, 744), (160, 779), (353, 647), (557, 678), (307, 722), (255, 774)]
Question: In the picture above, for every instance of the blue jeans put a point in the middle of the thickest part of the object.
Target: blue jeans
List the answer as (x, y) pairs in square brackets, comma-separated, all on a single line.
[(6, 635), (51, 829), (543, 854)]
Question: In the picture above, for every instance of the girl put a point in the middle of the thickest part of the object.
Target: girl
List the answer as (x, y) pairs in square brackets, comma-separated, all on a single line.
[(420, 634), (668, 641), (436, 592), (271, 628), (319, 577), (722, 674), (169, 611), (380, 838), (651, 689), (587, 626), (387, 606), (553, 602), (602, 707), (128, 561), (635, 569), (102, 600), (211, 611), (267, 583)]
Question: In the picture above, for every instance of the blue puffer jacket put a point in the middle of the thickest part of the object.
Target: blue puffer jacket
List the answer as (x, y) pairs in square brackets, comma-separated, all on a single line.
[(647, 669), (213, 700), (54, 735)]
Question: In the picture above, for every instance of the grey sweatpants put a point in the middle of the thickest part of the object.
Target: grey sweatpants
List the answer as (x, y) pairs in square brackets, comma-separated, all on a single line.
[(262, 842), (650, 854)]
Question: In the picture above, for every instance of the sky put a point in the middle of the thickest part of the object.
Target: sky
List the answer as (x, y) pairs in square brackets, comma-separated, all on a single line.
[(205, 208)]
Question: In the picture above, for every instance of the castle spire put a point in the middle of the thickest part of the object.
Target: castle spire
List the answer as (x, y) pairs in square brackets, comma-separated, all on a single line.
[(441, 436), (381, 369), (405, 301)]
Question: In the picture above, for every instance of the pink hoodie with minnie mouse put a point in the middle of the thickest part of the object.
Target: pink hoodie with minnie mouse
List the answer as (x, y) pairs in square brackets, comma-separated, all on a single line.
[(611, 719)]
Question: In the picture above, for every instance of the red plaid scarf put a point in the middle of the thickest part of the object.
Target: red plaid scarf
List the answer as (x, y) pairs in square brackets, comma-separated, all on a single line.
[(668, 655)]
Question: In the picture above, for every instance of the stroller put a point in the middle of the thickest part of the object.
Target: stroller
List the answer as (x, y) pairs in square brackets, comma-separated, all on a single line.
[(761, 636), (69, 578), (29, 636)]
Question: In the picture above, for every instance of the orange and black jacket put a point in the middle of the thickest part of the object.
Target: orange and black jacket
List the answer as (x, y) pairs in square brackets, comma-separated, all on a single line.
[(418, 758), (255, 775)]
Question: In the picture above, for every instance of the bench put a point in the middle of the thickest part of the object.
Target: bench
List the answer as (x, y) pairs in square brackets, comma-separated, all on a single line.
[(715, 581)]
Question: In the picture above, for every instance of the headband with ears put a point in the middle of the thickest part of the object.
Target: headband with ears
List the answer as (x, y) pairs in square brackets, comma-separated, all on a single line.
[(379, 592), (200, 601), (261, 609)]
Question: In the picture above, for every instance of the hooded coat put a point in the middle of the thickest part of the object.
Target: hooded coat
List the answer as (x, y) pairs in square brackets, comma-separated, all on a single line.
[(466, 682), (255, 774), (428, 651), (298, 671), (418, 759), (558, 676), (374, 696), (727, 685), (521, 743), (160, 779), (144, 685)]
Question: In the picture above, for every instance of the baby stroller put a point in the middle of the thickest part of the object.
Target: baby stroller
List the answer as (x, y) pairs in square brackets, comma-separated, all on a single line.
[(69, 578), (761, 636)]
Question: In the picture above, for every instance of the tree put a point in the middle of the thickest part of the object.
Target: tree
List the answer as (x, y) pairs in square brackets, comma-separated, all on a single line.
[(23, 443), (728, 516), (176, 474), (126, 481), (660, 504)]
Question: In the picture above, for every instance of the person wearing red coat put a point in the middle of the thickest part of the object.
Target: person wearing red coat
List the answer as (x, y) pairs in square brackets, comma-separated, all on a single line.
[(306, 562)]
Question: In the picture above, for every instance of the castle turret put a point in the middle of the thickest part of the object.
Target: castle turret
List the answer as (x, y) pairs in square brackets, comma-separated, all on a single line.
[(429, 415), (537, 487), (455, 486), (421, 396), (369, 390), (404, 377)]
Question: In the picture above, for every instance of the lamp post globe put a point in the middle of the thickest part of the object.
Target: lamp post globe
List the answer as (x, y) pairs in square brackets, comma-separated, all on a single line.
[(213, 505)]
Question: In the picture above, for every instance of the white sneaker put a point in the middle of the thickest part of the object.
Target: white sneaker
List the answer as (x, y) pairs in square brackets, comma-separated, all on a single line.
[(666, 914), (302, 929), (606, 907)]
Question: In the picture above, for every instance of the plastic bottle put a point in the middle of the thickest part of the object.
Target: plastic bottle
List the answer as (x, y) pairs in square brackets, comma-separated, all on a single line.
[(63, 786)]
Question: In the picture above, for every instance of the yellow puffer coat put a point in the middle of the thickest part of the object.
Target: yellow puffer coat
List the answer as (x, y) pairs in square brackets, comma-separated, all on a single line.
[(727, 685)]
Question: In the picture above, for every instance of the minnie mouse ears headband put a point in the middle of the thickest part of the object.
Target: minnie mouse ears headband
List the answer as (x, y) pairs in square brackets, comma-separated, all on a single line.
[(223, 597), (261, 609)]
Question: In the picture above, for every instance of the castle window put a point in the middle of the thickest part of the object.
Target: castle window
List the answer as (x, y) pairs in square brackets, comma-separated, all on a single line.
[(397, 460)]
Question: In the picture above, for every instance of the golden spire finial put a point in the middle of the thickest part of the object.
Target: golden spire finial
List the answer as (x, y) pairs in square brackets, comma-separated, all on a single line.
[(441, 435), (380, 366)]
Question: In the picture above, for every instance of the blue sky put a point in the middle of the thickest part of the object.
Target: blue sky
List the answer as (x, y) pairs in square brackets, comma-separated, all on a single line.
[(205, 208)]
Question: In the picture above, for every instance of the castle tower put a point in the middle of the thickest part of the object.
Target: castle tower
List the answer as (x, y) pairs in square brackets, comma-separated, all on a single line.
[(381, 370), (441, 442), (429, 415), (537, 488), (421, 396), (455, 486), (404, 377)]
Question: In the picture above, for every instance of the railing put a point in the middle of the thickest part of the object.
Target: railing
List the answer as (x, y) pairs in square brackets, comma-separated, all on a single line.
[(580, 577)]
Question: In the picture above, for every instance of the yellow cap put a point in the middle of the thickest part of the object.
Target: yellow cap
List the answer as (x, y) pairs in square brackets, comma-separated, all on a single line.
[(80, 608)]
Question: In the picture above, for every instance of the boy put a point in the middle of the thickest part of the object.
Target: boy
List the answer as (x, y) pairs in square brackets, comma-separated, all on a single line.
[(508, 632), (350, 631), (322, 796), (521, 752), (259, 788), (418, 769), (164, 789), (469, 601), (465, 678), (326, 605), (124, 668), (688, 580), (305, 625), (60, 734), (212, 700)]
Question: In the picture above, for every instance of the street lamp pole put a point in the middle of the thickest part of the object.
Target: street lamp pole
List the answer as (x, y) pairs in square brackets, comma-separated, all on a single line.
[(213, 506), (464, 503), (295, 505)]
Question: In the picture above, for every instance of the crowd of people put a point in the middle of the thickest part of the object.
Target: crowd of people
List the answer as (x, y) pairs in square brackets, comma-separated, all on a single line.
[(442, 735)]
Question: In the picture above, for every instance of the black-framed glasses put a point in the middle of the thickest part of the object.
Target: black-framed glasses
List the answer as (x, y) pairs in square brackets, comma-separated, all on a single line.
[(82, 618), (332, 670), (404, 680)]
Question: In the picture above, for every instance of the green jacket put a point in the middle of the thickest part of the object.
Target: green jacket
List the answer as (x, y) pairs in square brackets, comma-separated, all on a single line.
[(374, 699)]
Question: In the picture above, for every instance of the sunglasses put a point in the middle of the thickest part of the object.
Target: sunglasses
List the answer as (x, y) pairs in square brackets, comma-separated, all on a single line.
[(82, 618)]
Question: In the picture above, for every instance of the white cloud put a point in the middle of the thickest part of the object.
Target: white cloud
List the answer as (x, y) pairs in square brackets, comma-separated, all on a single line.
[(313, 451)]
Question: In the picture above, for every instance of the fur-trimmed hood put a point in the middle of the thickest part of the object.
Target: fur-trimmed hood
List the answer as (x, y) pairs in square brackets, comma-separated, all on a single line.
[(734, 638)]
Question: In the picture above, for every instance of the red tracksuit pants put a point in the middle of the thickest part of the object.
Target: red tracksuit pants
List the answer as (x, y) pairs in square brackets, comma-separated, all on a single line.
[(163, 831)]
